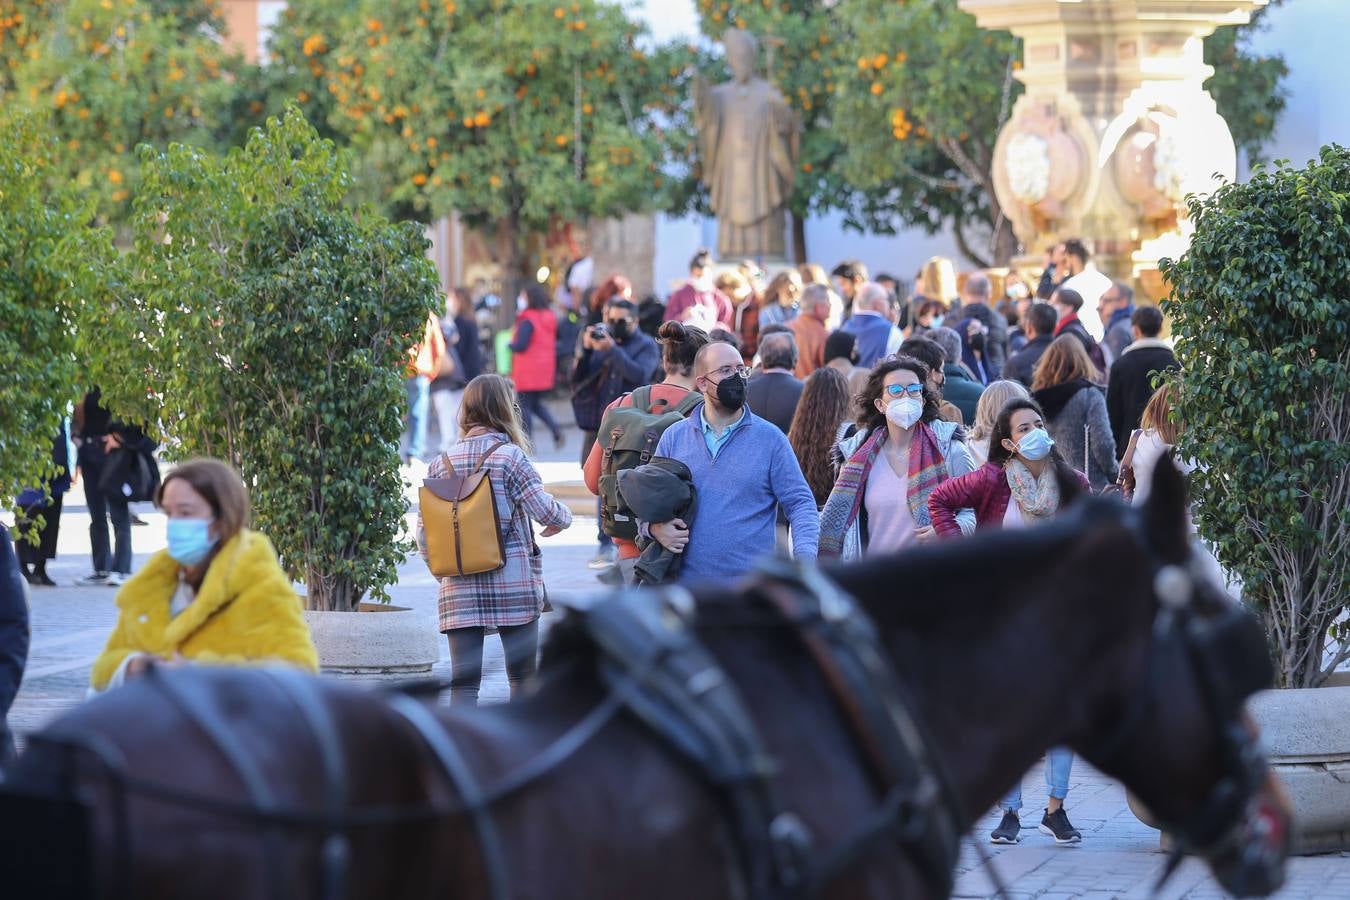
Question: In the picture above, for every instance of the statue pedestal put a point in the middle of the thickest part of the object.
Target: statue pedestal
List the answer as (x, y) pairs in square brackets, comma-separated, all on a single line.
[(1115, 127)]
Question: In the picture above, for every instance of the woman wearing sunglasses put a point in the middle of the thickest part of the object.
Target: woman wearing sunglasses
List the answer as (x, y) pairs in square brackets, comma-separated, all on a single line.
[(900, 453)]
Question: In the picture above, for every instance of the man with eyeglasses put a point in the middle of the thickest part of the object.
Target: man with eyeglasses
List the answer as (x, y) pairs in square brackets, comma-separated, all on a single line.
[(743, 470)]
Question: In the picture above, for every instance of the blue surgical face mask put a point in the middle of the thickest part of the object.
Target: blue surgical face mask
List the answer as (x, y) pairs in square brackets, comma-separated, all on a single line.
[(190, 540), (1035, 444), (937, 321)]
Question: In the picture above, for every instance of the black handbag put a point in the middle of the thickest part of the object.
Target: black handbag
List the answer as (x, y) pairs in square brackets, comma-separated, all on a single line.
[(130, 474)]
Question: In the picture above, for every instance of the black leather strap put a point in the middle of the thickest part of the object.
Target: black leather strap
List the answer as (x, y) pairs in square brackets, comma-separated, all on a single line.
[(457, 769)]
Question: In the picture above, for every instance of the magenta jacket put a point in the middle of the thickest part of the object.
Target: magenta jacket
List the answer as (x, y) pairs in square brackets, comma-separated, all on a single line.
[(985, 490)]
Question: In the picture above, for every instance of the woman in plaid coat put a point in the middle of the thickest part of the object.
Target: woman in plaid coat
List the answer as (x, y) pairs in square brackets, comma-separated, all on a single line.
[(511, 598)]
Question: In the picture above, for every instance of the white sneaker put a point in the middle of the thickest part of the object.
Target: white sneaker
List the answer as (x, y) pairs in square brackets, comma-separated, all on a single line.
[(116, 579)]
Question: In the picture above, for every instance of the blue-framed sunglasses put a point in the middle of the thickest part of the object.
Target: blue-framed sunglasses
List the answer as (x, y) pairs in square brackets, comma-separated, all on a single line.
[(895, 390)]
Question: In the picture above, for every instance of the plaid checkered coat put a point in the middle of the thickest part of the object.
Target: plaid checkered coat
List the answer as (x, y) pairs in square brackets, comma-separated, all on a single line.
[(514, 594)]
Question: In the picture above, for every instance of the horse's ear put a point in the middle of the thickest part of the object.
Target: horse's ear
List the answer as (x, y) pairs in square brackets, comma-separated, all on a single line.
[(1165, 513)]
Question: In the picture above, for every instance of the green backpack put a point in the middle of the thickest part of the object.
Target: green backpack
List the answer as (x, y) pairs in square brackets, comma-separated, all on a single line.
[(628, 437)]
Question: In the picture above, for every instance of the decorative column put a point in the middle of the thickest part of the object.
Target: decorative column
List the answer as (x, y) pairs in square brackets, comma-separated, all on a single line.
[(1115, 127)]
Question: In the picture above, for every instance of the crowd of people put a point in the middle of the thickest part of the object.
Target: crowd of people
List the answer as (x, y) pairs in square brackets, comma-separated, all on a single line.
[(833, 416)]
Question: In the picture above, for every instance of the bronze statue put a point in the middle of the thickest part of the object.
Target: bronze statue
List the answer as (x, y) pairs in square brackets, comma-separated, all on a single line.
[(748, 138)]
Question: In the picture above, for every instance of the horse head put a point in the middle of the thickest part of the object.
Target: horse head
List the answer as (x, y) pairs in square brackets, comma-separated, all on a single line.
[(1175, 730)]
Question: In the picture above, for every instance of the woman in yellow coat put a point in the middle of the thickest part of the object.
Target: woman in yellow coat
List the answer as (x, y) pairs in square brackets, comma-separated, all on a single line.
[(215, 596)]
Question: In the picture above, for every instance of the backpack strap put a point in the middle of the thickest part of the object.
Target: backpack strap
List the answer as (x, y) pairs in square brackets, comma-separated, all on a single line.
[(491, 450), (688, 402), (642, 398)]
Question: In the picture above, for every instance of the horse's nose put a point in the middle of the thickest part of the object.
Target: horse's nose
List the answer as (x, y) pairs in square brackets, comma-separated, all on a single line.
[(1254, 866)]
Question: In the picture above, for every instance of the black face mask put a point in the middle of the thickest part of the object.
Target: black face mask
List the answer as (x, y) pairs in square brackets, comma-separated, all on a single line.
[(731, 392), (620, 329)]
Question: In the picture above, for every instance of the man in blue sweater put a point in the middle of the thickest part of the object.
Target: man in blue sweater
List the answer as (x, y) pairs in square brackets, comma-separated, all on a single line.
[(871, 325), (743, 469)]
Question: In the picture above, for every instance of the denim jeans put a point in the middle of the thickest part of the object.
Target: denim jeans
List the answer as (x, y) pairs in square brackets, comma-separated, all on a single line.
[(1058, 765), (520, 645), (419, 399), (446, 403), (101, 509)]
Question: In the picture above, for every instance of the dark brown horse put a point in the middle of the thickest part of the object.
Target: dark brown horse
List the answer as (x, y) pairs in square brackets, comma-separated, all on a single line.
[(1137, 666)]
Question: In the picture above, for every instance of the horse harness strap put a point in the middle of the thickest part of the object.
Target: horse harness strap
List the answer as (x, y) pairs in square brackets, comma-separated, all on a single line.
[(688, 700), (461, 776), (918, 808)]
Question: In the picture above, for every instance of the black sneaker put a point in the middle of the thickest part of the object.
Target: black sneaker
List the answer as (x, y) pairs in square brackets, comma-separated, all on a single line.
[(1007, 830), (1057, 825), (94, 579)]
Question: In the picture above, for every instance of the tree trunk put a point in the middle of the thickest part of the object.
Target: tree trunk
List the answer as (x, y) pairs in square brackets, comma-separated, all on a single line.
[(799, 239)]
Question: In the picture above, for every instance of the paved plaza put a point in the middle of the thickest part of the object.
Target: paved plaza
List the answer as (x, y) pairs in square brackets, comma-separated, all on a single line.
[(1119, 857)]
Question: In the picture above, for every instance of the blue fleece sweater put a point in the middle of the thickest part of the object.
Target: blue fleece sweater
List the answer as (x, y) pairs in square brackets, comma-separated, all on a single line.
[(738, 496)]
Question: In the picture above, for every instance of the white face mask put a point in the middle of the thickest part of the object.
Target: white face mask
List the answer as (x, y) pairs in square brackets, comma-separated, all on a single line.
[(905, 411), (521, 304)]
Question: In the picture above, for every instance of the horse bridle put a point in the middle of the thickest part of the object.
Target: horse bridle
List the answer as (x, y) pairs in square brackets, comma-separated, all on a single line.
[(1222, 822)]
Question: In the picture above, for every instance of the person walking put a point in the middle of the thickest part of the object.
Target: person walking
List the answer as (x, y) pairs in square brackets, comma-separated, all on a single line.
[(1067, 302), (1081, 277), (1075, 410), (448, 385), (698, 301), (533, 367), (983, 332), (841, 354), (97, 435), (679, 344), (779, 305), (900, 453), (14, 638), (849, 277), (810, 330), (509, 599), (1020, 485), (992, 401), (424, 364), (930, 354), (871, 325), (1130, 385), (1117, 310), (36, 502), (216, 595), (774, 391), (743, 469), (616, 357), (959, 387), (1039, 325), (822, 412)]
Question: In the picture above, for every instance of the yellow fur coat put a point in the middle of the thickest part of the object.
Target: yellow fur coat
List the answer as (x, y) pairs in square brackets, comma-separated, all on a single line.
[(245, 611)]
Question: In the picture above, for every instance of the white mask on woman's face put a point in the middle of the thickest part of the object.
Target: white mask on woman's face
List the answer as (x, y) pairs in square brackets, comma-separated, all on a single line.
[(521, 303)]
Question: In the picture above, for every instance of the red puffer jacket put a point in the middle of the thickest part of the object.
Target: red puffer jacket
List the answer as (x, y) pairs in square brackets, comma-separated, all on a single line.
[(533, 368), (985, 490)]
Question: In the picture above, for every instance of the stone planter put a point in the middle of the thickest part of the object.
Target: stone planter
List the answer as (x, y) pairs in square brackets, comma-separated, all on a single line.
[(375, 641), (1306, 735)]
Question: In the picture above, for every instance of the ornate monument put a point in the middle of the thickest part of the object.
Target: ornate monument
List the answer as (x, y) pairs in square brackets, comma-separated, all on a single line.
[(1115, 127), (748, 141)]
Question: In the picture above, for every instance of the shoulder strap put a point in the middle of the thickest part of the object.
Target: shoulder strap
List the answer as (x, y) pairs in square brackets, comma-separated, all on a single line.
[(642, 398), (491, 450), (688, 402)]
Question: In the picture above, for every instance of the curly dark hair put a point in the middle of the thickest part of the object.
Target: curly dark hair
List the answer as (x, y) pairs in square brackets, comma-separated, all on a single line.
[(869, 417), (815, 426)]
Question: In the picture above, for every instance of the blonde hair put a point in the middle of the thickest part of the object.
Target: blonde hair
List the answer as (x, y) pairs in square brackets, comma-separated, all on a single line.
[(1157, 415), (937, 280), (490, 402), (1065, 360), (992, 401)]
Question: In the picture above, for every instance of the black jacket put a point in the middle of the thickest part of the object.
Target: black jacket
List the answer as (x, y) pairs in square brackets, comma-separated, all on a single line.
[(774, 396), (1131, 386), (13, 634), (1021, 366), (659, 491)]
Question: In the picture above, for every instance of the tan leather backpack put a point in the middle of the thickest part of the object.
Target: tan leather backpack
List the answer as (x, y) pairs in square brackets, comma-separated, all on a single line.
[(460, 521)]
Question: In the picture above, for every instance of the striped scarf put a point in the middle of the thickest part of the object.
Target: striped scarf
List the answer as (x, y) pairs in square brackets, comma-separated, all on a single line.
[(927, 469)]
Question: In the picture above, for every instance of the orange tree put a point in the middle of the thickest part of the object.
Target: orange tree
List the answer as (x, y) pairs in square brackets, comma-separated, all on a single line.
[(116, 73), (927, 93), (517, 115), (805, 53)]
